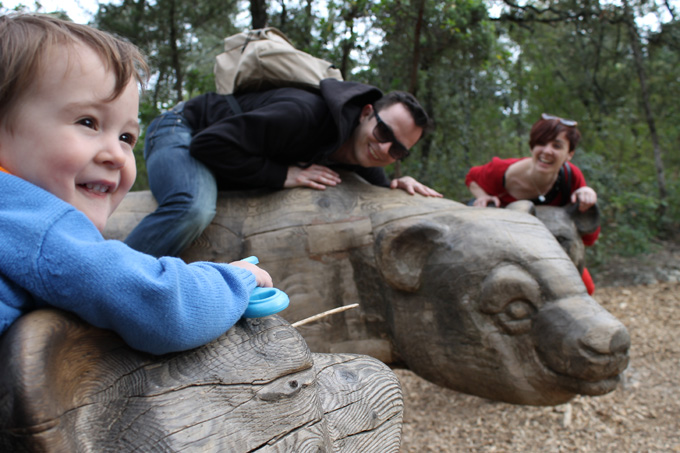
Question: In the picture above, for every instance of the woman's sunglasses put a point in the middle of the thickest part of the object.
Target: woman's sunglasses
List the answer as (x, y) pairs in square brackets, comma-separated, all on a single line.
[(384, 134), (565, 122)]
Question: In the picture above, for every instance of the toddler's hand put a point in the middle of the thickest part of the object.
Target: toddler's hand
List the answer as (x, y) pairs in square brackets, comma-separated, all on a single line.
[(262, 277)]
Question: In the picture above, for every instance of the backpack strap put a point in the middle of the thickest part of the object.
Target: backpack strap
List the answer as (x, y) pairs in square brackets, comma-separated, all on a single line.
[(566, 184), (233, 103)]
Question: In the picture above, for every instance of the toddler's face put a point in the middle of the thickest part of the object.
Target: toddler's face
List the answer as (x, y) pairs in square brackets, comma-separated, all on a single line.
[(68, 140)]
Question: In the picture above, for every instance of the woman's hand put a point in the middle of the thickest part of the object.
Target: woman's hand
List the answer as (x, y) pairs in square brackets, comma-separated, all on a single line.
[(483, 201), (262, 277), (411, 186), (585, 196), (315, 176)]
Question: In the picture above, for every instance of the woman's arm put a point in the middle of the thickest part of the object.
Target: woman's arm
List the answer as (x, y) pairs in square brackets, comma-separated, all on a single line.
[(586, 196), (482, 198), (486, 181)]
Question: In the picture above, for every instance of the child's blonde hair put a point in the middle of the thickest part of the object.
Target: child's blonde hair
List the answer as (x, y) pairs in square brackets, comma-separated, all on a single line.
[(25, 40)]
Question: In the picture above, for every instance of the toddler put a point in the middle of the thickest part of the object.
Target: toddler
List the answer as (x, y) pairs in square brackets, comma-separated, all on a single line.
[(69, 99)]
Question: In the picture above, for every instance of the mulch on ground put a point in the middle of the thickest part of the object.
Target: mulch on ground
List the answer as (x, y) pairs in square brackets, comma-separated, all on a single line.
[(642, 415)]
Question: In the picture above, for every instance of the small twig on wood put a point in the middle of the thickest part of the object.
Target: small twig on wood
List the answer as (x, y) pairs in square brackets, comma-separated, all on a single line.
[(324, 314)]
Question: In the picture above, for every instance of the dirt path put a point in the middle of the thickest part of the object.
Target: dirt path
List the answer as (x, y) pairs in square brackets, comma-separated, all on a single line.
[(642, 415)]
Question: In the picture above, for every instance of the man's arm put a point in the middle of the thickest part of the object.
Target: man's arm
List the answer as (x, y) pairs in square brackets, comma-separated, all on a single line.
[(257, 148)]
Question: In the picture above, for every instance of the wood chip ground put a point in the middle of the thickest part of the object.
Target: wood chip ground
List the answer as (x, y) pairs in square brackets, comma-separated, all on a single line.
[(641, 415)]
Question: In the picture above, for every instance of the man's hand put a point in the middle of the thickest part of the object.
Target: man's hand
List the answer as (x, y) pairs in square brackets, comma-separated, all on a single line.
[(411, 186), (314, 176), (585, 196)]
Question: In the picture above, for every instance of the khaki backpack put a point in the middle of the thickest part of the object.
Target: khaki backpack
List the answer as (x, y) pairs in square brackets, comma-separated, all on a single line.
[(260, 59)]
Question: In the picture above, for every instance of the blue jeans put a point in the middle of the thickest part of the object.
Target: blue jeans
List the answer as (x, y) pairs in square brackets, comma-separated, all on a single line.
[(185, 189)]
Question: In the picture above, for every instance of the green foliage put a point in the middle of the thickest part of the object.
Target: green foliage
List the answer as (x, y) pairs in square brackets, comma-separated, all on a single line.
[(629, 208), (35, 7), (181, 39), (630, 226)]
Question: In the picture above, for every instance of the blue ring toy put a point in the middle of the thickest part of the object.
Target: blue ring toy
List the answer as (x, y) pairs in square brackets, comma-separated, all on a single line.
[(264, 301)]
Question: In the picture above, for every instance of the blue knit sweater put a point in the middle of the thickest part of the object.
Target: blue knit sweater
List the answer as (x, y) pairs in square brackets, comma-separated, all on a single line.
[(52, 255)]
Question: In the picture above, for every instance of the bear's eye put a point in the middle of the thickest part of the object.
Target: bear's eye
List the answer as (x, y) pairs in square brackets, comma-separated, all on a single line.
[(511, 296), (515, 319)]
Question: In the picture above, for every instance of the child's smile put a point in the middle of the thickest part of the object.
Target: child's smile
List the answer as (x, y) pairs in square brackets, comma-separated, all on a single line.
[(97, 188)]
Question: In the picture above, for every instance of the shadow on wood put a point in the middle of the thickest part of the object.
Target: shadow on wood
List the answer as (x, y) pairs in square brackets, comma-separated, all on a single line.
[(68, 387)]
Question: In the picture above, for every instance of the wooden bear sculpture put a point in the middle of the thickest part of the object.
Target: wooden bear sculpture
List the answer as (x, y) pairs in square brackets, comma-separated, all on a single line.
[(483, 301)]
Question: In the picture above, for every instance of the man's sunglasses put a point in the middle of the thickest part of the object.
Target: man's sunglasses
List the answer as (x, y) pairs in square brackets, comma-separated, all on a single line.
[(565, 122), (384, 134)]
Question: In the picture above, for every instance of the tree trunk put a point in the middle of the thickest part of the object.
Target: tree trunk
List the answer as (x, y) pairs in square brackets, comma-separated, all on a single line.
[(413, 87), (425, 142), (649, 115), (176, 61), (520, 106), (348, 44), (258, 13), (413, 81)]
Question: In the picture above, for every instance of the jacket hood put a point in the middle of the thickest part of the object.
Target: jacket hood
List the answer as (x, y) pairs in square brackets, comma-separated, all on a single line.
[(345, 101)]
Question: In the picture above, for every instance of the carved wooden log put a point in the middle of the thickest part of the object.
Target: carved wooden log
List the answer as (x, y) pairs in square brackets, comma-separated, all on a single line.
[(68, 386), (483, 301)]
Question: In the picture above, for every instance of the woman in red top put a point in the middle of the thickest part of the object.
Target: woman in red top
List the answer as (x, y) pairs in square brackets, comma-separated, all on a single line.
[(547, 177), (539, 178)]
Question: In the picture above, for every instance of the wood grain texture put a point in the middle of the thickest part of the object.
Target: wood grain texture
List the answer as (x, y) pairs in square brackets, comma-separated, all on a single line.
[(362, 403), (68, 386)]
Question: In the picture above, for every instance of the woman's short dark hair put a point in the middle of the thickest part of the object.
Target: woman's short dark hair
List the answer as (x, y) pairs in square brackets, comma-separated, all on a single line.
[(544, 131)]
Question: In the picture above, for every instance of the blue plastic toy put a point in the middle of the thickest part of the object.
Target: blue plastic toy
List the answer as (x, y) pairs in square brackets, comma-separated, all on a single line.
[(264, 301)]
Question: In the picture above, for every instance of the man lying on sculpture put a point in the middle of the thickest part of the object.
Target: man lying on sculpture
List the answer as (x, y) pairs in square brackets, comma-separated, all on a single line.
[(68, 124), (280, 138), (547, 177)]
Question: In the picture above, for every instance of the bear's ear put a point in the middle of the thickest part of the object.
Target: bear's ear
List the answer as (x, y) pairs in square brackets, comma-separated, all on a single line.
[(402, 249), (522, 206), (586, 221)]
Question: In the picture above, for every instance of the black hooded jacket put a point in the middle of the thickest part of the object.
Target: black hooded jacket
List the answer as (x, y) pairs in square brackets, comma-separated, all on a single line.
[(276, 129)]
